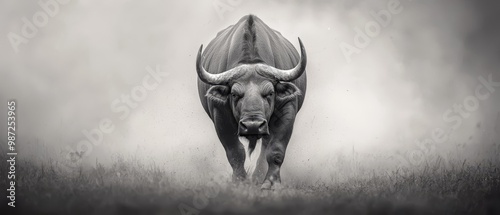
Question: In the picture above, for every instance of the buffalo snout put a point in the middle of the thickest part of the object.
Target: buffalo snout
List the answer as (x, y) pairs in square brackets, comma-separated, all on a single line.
[(253, 126)]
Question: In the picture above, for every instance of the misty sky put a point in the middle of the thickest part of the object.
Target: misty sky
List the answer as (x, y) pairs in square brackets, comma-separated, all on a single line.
[(79, 67)]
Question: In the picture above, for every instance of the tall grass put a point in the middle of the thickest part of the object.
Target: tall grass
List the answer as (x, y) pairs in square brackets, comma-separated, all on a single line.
[(129, 187)]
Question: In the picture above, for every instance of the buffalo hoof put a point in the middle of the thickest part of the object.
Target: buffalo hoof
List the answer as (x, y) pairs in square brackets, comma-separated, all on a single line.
[(277, 186), (268, 185), (238, 178)]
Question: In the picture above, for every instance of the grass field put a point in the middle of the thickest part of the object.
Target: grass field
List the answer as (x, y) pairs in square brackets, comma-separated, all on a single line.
[(128, 187)]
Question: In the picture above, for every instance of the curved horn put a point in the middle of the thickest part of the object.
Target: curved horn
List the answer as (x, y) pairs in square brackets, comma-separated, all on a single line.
[(214, 79), (290, 74)]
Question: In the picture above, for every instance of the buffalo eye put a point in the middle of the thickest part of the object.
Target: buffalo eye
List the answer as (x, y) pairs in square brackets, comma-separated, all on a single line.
[(235, 96)]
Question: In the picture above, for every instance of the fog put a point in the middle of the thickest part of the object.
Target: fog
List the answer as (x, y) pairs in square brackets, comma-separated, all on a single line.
[(367, 110)]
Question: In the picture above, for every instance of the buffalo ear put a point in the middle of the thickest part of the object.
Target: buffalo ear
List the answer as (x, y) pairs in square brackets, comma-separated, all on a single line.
[(218, 94), (286, 91)]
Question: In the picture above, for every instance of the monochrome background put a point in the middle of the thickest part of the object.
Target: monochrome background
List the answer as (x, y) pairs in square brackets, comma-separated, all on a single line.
[(359, 115)]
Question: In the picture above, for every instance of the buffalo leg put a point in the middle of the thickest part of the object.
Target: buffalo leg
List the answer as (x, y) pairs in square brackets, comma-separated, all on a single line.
[(281, 126), (236, 157), (234, 149)]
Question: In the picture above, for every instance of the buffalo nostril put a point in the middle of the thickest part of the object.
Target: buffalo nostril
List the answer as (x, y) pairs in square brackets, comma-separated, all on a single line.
[(263, 128), (243, 126), (262, 124)]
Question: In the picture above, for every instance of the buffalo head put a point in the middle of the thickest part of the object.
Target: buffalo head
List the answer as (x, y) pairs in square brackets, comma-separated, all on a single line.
[(252, 91)]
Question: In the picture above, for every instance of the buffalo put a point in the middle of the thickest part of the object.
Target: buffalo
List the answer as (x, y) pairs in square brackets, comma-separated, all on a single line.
[(252, 83)]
